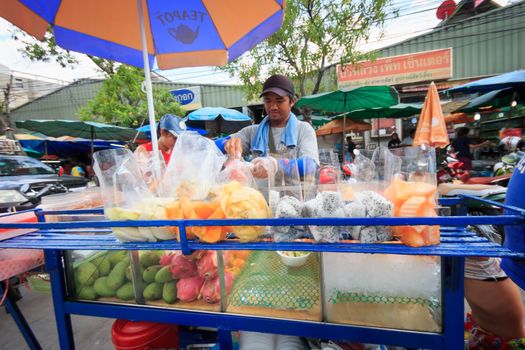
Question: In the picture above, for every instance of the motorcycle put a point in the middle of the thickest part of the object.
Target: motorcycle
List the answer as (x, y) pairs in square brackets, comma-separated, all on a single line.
[(474, 207), (452, 171)]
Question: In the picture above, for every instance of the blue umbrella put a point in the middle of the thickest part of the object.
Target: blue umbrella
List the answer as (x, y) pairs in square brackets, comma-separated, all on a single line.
[(498, 82), (211, 113), (147, 130)]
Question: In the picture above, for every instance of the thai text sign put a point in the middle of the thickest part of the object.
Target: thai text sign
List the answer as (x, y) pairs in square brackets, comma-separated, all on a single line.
[(395, 70)]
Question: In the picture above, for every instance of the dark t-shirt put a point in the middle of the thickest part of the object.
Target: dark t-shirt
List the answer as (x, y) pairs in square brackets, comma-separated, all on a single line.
[(394, 143), (351, 147), (462, 147), (515, 234)]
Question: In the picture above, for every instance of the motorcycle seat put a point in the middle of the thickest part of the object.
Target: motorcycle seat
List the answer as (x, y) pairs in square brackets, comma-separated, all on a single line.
[(486, 180), (451, 190)]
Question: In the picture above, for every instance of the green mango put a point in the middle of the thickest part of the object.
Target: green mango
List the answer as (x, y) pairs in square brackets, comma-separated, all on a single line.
[(148, 258), (126, 292), (149, 273), (169, 292), (117, 276), (103, 266), (117, 256), (86, 274), (164, 275), (153, 291), (87, 293), (101, 287)]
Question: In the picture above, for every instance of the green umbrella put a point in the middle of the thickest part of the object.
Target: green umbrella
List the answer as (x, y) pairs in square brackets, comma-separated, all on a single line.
[(401, 110), (494, 99), (344, 101)]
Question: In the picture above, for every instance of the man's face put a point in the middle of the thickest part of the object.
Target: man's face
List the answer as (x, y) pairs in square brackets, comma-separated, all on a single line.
[(277, 107)]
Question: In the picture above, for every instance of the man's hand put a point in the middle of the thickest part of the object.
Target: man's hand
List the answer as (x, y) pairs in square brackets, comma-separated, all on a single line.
[(264, 167), (233, 148)]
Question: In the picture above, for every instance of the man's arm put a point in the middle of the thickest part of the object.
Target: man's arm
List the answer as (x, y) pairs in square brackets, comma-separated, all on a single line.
[(244, 135)]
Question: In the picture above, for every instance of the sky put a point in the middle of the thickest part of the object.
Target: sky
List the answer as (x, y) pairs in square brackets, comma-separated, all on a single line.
[(415, 17)]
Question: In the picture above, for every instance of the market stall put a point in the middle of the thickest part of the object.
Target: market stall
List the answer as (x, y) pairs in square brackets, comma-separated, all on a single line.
[(58, 239)]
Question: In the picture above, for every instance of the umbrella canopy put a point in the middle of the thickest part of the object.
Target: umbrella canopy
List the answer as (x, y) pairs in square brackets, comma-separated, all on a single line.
[(342, 101), (401, 110), (336, 127), (177, 33), (431, 129), (64, 149), (87, 130), (494, 99), (211, 113), (459, 118), (498, 82)]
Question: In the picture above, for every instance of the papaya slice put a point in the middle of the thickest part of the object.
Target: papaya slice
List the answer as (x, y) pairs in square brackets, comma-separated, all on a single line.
[(413, 206), (204, 210), (423, 189)]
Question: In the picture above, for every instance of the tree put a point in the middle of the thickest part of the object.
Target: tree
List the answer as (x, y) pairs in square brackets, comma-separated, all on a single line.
[(315, 36), (122, 101)]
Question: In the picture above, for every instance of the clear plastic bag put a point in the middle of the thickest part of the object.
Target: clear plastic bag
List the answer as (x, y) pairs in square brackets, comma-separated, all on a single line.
[(195, 164), (413, 192), (286, 195), (123, 188)]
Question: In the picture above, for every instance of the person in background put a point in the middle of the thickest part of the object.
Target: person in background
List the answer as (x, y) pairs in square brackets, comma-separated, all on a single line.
[(463, 146), (394, 142), (350, 146), (78, 170), (279, 132), (170, 126), (409, 140)]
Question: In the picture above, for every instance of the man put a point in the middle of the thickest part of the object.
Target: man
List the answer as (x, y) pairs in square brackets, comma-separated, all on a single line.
[(408, 141), (350, 147), (279, 132), (170, 127)]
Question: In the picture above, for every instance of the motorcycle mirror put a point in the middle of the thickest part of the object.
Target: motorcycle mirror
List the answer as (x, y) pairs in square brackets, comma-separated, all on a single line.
[(25, 188)]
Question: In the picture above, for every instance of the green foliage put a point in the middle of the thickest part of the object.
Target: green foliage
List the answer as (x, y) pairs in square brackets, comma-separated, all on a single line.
[(121, 100), (315, 36), (45, 50)]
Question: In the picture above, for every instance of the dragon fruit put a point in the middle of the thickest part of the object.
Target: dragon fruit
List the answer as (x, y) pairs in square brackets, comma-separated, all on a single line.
[(211, 290), (188, 289), (165, 259), (181, 267), (207, 267)]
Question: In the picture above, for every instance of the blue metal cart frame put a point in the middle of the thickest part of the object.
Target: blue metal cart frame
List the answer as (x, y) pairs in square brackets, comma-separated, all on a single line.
[(456, 244)]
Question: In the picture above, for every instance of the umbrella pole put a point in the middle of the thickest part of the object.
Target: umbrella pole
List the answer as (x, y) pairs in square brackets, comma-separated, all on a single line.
[(149, 93), (92, 144), (343, 150)]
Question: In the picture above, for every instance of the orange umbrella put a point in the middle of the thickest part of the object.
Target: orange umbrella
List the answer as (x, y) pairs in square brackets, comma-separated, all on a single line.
[(336, 127), (431, 129)]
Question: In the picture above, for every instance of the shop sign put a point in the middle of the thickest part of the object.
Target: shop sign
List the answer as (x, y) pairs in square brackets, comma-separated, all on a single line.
[(395, 70), (189, 98)]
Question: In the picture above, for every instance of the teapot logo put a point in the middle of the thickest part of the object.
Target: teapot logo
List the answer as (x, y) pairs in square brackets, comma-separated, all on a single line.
[(184, 34), (175, 22)]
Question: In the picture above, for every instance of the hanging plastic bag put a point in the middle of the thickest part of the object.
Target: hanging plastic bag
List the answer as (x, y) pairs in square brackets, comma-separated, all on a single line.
[(413, 193), (191, 179), (124, 190), (286, 195), (194, 166), (368, 201)]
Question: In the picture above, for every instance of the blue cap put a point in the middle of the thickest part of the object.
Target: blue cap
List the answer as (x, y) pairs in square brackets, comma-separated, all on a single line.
[(173, 124)]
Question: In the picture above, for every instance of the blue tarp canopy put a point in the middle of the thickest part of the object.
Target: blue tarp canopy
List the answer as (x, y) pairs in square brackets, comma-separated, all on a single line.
[(147, 130), (65, 149), (211, 113), (503, 81)]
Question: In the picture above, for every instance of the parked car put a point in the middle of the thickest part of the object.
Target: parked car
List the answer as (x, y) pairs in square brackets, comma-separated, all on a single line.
[(24, 177)]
